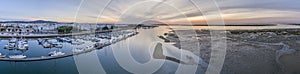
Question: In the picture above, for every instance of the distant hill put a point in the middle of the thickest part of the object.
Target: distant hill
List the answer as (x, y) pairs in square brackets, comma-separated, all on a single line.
[(36, 21)]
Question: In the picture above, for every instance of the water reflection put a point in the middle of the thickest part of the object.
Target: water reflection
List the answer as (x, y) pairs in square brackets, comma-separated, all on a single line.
[(139, 46)]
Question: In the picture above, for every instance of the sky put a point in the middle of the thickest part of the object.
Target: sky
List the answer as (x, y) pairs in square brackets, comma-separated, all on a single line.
[(136, 11)]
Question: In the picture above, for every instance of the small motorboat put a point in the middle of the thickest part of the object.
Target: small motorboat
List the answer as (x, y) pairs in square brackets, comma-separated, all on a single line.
[(17, 57)]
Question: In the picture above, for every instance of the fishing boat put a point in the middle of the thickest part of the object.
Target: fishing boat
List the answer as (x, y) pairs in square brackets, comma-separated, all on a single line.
[(17, 57)]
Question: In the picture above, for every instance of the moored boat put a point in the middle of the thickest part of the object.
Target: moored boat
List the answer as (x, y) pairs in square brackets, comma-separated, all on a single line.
[(98, 45), (22, 45), (57, 45), (2, 56), (13, 40), (10, 46), (55, 53), (76, 50), (46, 45), (17, 57)]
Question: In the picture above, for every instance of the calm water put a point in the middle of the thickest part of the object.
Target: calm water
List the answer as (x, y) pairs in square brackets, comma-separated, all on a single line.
[(103, 60)]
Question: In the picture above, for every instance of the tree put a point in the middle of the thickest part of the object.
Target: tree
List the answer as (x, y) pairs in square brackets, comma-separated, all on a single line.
[(105, 28), (112, 27), (64, 29)]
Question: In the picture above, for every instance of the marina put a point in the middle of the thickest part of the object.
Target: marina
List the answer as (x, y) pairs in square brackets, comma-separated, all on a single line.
[(58, 42)]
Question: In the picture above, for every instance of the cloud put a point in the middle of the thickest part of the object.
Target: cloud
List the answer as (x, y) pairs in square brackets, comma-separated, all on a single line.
[(165, 10)]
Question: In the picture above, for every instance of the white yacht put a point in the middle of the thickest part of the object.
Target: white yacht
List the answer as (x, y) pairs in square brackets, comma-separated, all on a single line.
[(17, 57)]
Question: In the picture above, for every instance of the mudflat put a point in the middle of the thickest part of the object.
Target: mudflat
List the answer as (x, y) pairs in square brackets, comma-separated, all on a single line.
[(270, 51)]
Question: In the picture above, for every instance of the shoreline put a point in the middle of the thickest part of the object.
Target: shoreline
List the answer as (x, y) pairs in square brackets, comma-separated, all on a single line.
[(248, 49)]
